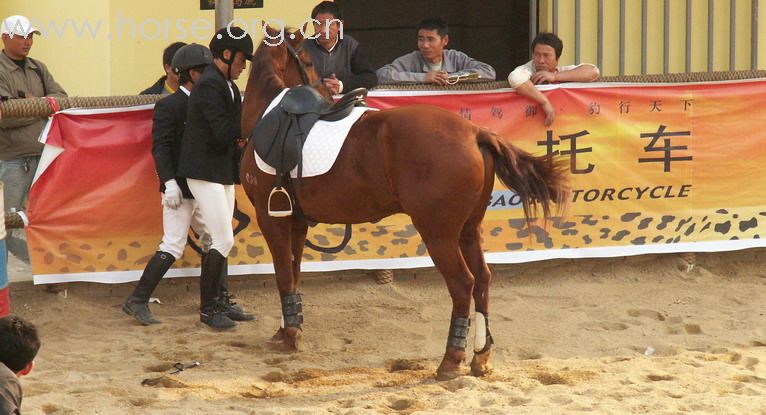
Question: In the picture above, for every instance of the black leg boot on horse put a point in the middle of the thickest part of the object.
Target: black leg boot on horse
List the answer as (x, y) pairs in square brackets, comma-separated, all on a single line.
[(292, 319), (211, 311), (137, 304)]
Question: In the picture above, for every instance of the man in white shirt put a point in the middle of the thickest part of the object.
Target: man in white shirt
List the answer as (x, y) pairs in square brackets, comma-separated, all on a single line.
[(544, 69)]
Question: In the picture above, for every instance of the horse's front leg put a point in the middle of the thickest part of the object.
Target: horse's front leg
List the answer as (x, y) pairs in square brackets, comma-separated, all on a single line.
[(278, 235), (292, 307)]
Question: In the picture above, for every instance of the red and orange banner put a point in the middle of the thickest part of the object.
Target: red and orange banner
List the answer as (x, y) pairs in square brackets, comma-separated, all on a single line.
[(653, 168)]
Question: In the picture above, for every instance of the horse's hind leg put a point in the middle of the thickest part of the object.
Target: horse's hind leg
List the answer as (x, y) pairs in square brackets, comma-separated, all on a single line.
[(449, 261), (470, 246)]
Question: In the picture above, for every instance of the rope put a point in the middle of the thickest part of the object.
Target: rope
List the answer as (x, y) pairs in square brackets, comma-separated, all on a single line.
[(44, 107), (687, 77), (662, 78), (13, 220)]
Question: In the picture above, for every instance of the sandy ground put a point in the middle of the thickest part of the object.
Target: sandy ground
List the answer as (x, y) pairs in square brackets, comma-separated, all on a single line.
[(612, 336)]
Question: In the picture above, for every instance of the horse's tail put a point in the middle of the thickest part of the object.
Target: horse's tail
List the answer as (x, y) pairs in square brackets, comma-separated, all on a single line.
[(536, 180)]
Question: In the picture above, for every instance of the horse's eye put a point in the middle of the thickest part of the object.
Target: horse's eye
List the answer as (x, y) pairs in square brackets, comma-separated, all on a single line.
[(309, 64)]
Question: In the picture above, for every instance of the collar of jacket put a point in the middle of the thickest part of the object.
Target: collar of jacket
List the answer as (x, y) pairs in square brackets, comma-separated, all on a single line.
[(447, 61), (9, 65), (337, 44), (218, 71)]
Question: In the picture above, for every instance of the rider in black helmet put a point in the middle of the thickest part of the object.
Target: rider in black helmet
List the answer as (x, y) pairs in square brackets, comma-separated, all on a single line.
[(191, 57), (233, 39), (210, 160), (180, 210)]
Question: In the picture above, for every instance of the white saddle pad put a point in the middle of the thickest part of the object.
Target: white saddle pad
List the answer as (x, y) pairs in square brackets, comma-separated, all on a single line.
[(322, 145)]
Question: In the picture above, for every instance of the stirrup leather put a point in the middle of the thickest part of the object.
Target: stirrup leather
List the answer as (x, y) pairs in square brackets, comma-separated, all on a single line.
[(280, 213)]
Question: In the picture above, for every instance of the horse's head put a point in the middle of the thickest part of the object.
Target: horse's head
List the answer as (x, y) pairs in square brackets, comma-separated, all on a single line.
[(279, 62)]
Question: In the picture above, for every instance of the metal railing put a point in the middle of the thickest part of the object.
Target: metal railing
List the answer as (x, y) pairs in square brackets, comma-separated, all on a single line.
[(691, 26)]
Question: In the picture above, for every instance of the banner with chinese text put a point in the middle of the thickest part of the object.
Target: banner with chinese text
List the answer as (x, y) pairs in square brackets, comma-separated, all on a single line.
[(654, 168)]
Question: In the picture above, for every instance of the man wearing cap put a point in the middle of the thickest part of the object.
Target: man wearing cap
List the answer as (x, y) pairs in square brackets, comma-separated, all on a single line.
[(210, 158), (21, 77)]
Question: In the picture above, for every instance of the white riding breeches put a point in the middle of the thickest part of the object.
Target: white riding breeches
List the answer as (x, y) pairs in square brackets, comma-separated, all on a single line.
[(216, 204), (175, 225)]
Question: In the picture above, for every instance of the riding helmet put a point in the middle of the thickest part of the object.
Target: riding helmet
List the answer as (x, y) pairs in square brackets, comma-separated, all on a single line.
[(233, 38), (191, 56)]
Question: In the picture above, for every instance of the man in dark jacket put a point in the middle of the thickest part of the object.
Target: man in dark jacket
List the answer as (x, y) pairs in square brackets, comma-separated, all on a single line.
[(337, 57), (210, 159), (168, 83), (179, 210)]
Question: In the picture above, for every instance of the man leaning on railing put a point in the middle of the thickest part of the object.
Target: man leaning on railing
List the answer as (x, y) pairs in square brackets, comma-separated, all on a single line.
[(544, 69)]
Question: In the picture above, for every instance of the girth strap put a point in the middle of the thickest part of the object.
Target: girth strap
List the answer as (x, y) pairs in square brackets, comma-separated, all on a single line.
[(458, 332), (292, 310)]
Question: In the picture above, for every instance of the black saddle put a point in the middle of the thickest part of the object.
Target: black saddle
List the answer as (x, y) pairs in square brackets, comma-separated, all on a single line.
[(279, 136)]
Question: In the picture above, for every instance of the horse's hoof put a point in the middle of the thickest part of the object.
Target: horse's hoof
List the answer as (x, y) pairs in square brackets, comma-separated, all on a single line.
[(450, 365), (292, 338), (286, 340), (279, 335), (480, 364), (447, 375)]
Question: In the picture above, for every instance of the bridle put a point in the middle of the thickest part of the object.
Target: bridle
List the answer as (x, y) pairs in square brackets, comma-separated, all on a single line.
[(294, 53)]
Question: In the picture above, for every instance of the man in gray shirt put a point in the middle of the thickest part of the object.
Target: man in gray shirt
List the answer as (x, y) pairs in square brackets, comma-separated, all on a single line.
[(431, 63), (337, 57)]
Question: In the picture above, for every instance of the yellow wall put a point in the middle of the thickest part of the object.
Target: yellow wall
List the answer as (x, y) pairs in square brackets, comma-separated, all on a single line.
[(122, 54), (655, 34)]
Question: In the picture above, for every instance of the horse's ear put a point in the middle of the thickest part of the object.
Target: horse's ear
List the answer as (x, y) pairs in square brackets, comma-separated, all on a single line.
[(269, 30), (298, 35)]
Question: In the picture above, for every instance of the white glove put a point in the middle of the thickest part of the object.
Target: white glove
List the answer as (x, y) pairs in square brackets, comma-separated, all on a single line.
[(172, 197)]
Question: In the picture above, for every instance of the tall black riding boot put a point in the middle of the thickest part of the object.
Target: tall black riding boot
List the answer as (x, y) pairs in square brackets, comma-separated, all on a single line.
[(137, 304), (210, 311), (233, 310)]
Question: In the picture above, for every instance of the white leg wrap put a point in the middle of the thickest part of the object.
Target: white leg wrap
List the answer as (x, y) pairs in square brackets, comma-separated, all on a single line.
[(480, 325)]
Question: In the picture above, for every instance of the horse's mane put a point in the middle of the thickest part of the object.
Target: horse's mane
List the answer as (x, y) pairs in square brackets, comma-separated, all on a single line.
[(263, 80)]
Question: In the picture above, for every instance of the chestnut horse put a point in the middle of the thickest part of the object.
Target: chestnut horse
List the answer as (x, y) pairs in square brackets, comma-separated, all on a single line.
[(424, 161)]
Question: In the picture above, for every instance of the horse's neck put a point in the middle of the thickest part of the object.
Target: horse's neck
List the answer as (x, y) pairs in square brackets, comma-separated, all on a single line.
[(261, 94)]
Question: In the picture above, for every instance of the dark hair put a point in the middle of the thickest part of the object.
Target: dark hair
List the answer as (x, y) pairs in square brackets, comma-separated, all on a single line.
[(170, 51), (19, 342), (327, 7), (433, 23), (185, 75), (550, 39)]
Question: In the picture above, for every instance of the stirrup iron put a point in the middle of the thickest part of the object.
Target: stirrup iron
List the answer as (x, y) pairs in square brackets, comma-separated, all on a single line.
[(280, 213)]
